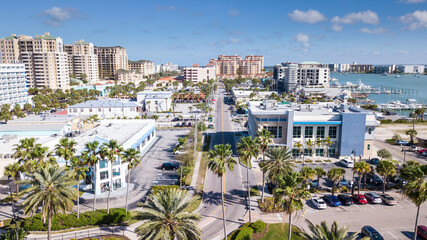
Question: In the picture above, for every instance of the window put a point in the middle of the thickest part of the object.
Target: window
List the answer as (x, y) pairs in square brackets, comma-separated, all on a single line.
[(308, 132), (116, 172), (297, 132), (319, 152), (117, 184), (103, 164), (307, 152), (103, 175), (370, 130), (331, 152), (105, 187), (295, 152), (333, 132), (109, 109), (90, 109), (276, 131), (368, 147), (99, 110), (81, 109), (320, 132)]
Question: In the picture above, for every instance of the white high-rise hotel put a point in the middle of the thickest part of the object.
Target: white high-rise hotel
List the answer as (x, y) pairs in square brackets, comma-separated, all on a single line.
[(13, 84)]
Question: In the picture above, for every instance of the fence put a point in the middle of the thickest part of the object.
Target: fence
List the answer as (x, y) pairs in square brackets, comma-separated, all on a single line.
[(88, 233)]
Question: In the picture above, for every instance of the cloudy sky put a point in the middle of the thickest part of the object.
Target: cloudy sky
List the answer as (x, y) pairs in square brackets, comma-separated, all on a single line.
[(187, 32)]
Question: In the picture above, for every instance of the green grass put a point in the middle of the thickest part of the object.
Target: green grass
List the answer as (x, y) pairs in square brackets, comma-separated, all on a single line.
[(273, 231), (202, 171), (195, 204), (254, 191)]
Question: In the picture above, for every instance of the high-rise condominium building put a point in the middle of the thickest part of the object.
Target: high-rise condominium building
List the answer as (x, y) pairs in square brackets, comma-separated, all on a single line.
[(143, 66), (13, 84), (82, 60), (234, 66), (165, 67), (198, 74), (46, 62), (289, 76), (111, 59)]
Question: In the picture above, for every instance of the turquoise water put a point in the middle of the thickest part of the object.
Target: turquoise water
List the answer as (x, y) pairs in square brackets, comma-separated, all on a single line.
[(412, 87)]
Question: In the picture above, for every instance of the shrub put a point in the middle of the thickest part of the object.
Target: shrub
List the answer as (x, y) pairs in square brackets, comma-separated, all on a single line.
[(401, 121), (328, 160), (386, 121), (308, 161), (254, 191), (245, 234), (158, 188), (344, 189), (258, 226), (319, 160), (269, 205), (396, 137)]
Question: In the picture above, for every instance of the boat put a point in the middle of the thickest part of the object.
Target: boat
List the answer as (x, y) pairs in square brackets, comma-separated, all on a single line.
[(397, 76), (385, 74), (334, 79)]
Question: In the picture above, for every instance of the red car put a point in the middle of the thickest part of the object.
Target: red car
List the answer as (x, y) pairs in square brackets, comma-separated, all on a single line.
[(422, 232), (359, 199), (422, 150)]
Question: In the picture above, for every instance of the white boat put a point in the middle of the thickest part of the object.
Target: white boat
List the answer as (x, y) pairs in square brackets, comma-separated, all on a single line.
[(397, 76), (334, 79)]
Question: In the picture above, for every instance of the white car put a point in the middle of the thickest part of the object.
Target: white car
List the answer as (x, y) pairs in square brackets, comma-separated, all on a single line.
[(347, 163), (180, 152), (318, 203)]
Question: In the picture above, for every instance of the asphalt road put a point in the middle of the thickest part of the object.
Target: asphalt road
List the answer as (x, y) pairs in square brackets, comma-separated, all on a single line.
[(211, 210)]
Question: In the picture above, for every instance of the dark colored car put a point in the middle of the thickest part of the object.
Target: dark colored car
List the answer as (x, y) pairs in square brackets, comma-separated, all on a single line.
[(368, 231), (189, 124), (176, 119), (184, 124), (169, 166), (373, 198), (374, 179), (359, 199), (374, 161), (345, 199), (332, 200), (422, 232)]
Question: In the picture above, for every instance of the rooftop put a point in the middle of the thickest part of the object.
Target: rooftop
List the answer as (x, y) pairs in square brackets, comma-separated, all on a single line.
[(113, 103), (43, 118), (31, 127)]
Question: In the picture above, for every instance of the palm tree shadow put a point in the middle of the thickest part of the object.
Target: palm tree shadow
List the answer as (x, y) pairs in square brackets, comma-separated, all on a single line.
[(408, 234)]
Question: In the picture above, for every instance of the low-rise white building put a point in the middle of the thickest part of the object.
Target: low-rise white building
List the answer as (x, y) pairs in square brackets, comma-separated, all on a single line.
[(155, 101), (198, 73), (110, 108), (414, 69), (13, 84)]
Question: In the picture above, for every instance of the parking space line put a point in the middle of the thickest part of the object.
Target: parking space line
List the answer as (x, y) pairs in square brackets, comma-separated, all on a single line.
[(372, 206), (399, 205), (358, 207), (392, 234)]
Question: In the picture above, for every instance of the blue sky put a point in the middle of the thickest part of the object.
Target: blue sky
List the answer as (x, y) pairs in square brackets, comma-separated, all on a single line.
[(187, 32)]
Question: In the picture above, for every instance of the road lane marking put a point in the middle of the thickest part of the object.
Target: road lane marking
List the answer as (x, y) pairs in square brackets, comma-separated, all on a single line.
[(392, 234)]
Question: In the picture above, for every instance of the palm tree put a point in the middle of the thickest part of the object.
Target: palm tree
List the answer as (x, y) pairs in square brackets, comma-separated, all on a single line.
[(300, 147), (307, 173), (416, 190), (292, 192), (319, 173), (13, 170), (65, 149), (132, 158), (52, 189), (247, 149), (310, 145), (420, 112), (409, 170), (112, 151), (265, 138), (412, 133), (319, 143), (219, 159), (23, 151), (91, 158), (39, 155), (165, 218), (79, 173), (328, 143), (322, 232), (361, 168), (278, 163), (386, 168), (335, 175)]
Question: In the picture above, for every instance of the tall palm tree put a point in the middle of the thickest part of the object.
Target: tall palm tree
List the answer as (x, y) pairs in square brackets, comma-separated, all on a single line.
[(320, 172), (52, 189), (416, 190), (327, 143), (300, 147), (219, 160), (23, 151), (112, 151), (40, 156), (307, 173), (13, 170), (165, 217), (310, 145), (319, 143), (412, 133), (247, 149), (386, 168), (335, 175), (292, 192), (409, 170), (91, 158), (279, 162), (322, 232), (65, 149), (133, 159), (78, 171), (265, 138), (361, 168)]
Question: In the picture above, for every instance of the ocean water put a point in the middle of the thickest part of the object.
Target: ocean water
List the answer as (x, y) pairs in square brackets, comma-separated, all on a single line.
[(412, 86)]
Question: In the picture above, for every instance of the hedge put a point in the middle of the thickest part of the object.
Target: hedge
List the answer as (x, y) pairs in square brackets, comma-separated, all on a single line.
[(245, 233), (258, 226), (92, 218)]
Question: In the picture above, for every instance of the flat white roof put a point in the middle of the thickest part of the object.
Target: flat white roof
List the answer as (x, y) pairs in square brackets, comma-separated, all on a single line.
[(43, 118)]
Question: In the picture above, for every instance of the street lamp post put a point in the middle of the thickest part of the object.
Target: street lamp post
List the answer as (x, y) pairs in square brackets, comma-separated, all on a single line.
[(404, 155), (14, 218)]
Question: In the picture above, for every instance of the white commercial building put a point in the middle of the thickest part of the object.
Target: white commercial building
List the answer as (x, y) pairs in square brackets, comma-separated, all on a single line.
[(110, 108), (197, 74), (290, 76), (155, 101), (13, 84), (166, 67), (415, 69), (344, 67)]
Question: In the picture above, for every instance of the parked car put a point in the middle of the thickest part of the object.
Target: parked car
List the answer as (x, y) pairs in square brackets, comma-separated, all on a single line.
[(313, 183), (210, 119), (177, 125), (184, 124), (189, 124), (374, 161), (169, 166), (374, 179), (343, 182), (373, 198), (359, 199), (347, 163), (318, 203), (180, 152), (402, 142), (415, 148), (176, 119), (368, 231), (421, 150), (211, 126), (387, 199), (345, 199), (422, 232), (332, 200)]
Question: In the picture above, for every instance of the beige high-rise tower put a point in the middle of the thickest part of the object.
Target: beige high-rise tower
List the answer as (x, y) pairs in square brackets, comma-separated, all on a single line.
[(233, 66), (82, 60), (111, 59), (46, 63)]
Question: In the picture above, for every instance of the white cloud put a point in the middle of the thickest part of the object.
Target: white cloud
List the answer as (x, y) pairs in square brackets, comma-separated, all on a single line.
[(303, 38), (233, 13), (310, 16), (336, 27), (415, 20), (368, 17), (56, 16), (414, 1), (374, 31)]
